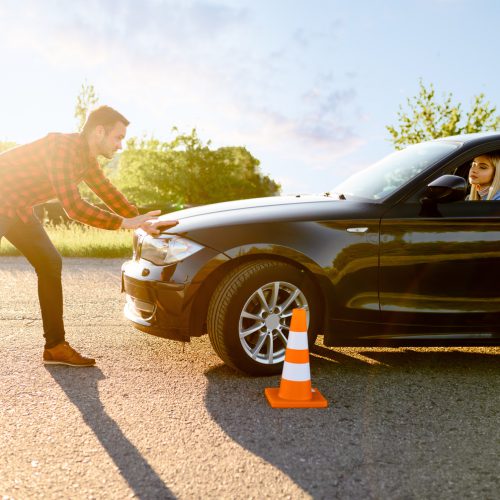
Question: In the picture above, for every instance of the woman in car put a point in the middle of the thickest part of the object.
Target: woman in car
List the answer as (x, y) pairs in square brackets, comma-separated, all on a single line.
[(484, 177)]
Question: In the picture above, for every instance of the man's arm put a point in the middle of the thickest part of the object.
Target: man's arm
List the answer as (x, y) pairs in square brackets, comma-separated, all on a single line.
[(114, 199), (109, 194), (149, 223)]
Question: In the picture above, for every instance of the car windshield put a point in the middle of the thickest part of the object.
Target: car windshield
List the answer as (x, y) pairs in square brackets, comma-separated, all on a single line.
[(387, 175)]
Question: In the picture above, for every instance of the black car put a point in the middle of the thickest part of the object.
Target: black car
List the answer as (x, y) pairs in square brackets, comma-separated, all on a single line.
[(395, 255)]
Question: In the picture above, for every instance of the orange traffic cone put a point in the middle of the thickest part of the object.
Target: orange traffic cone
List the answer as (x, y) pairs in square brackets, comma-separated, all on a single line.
[(295, 389)]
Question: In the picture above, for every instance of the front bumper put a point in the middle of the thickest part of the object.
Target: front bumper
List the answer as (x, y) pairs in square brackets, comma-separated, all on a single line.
[(153, 306), (160, 299)]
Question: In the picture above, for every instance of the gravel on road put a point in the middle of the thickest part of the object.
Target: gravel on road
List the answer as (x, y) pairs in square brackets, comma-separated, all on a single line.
[(159, 419)]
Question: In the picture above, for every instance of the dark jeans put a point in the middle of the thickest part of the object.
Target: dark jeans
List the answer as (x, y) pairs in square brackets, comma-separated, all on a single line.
[(32, 241)]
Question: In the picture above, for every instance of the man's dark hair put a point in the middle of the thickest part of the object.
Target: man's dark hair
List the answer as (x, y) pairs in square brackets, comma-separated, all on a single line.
[(105, 116)]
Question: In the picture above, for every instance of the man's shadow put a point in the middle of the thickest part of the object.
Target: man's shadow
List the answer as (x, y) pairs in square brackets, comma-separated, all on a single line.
[(82, 390)]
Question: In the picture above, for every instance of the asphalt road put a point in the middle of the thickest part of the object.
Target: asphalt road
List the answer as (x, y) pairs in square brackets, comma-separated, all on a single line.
[(158, 420)]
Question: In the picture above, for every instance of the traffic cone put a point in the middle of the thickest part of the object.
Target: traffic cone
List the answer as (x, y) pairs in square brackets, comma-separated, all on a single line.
[(295, 389)]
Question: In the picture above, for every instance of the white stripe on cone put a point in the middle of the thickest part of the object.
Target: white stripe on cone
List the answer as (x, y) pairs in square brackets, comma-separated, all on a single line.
[(296, 372), (297, 340)]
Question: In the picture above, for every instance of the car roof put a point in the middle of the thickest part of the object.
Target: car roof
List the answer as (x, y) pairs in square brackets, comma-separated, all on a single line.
[(471, 139)]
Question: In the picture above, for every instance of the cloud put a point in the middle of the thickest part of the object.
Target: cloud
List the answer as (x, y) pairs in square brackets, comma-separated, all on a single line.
[(326, 120), (315, 143), (198, 64), (95, 29)]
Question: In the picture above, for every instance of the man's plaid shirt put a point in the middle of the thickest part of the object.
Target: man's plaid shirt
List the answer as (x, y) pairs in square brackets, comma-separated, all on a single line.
[(53, 167)]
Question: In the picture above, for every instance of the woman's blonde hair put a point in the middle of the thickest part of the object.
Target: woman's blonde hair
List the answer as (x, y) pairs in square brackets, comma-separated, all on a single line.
[(495, 183)]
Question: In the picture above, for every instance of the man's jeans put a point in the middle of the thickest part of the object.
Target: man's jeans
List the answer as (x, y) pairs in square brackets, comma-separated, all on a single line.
[(32, 241)]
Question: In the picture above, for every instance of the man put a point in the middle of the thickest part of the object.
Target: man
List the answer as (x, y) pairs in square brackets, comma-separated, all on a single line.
[(53, 167)]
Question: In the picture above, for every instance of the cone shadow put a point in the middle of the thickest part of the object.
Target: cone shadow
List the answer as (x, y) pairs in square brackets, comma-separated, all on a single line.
[(410, 415)]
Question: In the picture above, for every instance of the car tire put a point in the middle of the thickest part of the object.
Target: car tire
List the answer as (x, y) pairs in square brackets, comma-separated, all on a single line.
[(258, 297)]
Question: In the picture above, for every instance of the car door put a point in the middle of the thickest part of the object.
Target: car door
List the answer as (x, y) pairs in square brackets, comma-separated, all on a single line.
[(439, 269)]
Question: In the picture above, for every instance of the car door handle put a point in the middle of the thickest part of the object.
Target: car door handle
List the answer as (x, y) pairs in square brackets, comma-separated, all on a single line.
[(357, 229)]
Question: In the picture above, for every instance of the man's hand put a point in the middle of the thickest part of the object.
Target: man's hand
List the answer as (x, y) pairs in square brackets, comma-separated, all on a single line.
[(148, 222)]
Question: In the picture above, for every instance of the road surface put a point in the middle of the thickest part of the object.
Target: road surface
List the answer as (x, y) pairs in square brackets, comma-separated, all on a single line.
[(156, 419)]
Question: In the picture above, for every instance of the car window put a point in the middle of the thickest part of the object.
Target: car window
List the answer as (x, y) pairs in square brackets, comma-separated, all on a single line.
[(461, 170), (392, 172)]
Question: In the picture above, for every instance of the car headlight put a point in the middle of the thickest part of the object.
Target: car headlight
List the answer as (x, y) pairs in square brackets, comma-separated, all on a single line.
[(167, 249)]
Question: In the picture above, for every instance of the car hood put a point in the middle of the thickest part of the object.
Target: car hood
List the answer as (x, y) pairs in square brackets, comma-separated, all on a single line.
[(253, 203), (273, 220), (247, 205), (243, 212)]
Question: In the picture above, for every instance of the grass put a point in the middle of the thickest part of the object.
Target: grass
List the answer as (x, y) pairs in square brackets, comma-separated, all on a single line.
[(77, 240)]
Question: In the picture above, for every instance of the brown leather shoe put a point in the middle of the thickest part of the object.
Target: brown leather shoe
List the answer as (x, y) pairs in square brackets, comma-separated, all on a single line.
[(64, 354)]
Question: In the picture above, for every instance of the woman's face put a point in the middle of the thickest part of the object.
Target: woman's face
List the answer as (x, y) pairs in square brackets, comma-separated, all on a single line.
[(481, 171)]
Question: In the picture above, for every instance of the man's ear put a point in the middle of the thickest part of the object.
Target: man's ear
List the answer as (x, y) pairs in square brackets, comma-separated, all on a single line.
[(99, 132)]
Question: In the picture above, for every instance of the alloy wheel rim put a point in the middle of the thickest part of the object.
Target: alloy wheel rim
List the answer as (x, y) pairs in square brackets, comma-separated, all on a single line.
[(265, 321)]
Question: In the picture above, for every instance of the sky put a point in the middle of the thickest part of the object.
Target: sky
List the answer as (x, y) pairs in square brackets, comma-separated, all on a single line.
[(307, 86)]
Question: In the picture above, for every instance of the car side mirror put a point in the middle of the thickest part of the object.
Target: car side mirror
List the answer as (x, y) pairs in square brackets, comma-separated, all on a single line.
[(446, 189)]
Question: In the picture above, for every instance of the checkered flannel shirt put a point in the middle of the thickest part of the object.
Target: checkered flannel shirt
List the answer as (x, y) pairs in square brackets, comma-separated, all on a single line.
[(52, 167)]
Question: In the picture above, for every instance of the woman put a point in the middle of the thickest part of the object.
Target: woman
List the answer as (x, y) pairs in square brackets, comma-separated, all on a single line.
[(484, 177)]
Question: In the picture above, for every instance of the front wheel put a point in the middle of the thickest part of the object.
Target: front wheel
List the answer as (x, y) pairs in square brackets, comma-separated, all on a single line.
[(250, 311)]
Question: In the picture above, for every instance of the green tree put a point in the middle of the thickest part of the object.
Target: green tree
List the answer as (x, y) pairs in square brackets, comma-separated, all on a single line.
[(186, 171), (428, 118), (85, 100)]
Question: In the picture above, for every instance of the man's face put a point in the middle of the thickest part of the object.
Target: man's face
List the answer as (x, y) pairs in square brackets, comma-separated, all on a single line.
[(111, 141)]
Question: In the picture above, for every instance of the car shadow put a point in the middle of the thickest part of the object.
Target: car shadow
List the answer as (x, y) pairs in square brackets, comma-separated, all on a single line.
[(394, 418), (82, 390)]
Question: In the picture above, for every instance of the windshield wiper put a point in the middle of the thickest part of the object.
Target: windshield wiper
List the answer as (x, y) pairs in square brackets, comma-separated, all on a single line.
[(340, 195), (329, 194)]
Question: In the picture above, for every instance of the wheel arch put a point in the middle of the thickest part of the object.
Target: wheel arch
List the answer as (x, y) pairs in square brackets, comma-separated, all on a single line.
[(248, 253)]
